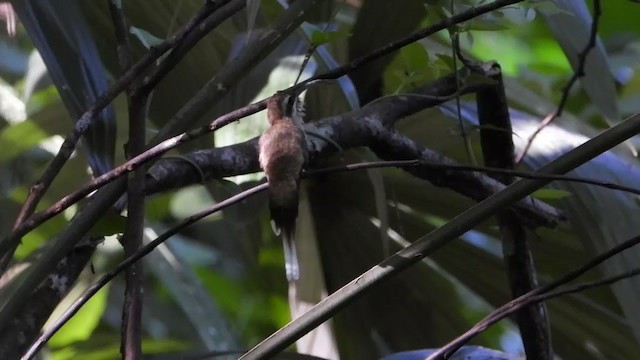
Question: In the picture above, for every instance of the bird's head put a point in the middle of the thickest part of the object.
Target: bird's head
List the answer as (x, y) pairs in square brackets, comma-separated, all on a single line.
[(284, 105)]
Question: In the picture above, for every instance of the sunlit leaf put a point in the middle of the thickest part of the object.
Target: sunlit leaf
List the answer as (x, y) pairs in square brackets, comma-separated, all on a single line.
[(446, 60), (323, 37), (548, 7), (485, 25), (252, 12), (83, 323), (550, 194), (39, 236), (190, 200), (157, 207), (572, 31), (145, 38), (92, 350), (412, 67), (19, 138)]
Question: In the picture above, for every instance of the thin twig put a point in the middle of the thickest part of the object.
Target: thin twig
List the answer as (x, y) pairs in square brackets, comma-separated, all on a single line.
[(457, 54), (578, 73), (535, 175), (527, 300), (411, 38), (131, 327), (585, 286), (480, 169), (509, 307), (222, 13)]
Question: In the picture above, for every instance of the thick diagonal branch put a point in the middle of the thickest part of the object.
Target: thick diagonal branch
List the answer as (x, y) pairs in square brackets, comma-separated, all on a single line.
[(362, 128)]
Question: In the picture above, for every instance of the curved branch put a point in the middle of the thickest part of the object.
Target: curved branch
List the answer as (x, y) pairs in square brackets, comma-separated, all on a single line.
[(365, 127)]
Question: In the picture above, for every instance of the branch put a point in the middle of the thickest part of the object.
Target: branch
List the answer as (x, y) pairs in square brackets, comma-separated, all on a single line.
[(496, 141), (217, 86), (358, 128), (389, 109), (131, 327), (225, 10), (578, 73), (424, 246), (26, 326)]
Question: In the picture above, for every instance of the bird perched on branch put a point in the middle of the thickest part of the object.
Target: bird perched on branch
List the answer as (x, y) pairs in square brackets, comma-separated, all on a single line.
[(283, 152)]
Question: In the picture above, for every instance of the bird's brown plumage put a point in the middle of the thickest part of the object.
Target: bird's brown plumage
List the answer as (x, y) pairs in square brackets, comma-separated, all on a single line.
[(281, 156)]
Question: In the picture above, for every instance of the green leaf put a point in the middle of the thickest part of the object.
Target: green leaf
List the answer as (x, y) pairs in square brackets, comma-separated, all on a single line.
[(89, 350), (415, 56), (38, 236), (160, 346), (157, 207), (485, 25), (550, 194), (548, 7), (445, 61), (409, 69), (225, 291), (18, 138), (108, 225), (41, 99), (190, 200), (83, 323), (323, 37), (145, 37)]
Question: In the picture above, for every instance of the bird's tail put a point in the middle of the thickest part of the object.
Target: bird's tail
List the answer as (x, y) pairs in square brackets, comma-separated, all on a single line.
[(290, 255), (283, 204)]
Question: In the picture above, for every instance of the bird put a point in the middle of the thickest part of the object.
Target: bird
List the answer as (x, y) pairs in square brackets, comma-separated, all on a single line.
[(282, 155)]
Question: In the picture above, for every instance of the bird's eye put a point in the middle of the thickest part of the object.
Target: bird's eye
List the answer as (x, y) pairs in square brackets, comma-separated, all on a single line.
[(290, 105)]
